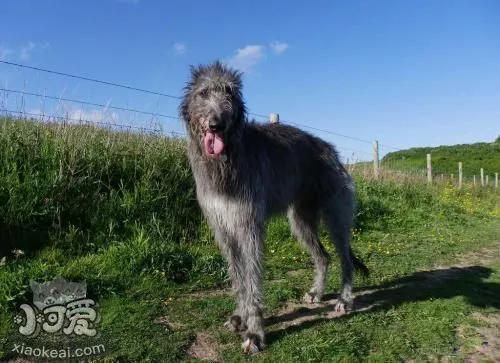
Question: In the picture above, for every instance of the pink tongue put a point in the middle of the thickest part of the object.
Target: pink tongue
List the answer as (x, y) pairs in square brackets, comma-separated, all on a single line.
[(213, 143)]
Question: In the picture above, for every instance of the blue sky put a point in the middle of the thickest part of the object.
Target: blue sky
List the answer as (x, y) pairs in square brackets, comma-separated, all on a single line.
[(407, 73)]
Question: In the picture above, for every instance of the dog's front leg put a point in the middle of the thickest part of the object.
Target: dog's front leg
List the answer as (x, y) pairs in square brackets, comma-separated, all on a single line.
[(233, 254), (251, 242)]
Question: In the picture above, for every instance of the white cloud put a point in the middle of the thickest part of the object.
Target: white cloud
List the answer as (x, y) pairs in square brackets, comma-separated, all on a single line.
[(5, 52), (92, 116), (247, 57), (179, 48), (67, 114), (26, 51), (278, 47)]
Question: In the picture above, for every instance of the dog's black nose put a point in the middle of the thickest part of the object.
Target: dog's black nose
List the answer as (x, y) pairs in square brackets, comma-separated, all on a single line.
[(216, 125)]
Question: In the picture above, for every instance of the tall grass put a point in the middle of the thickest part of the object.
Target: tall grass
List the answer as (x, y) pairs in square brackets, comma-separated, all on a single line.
[(82, 187), (112, 199), (119, 211)]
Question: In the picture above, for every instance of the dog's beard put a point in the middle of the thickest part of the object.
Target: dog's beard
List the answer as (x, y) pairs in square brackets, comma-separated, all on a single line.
[(213, 143)]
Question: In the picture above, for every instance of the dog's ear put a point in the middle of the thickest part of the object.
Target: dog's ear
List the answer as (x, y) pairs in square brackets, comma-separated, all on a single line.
[(183, 107), (183, 110), (242, 112), (196, 71), (192, 69), (219, 66)]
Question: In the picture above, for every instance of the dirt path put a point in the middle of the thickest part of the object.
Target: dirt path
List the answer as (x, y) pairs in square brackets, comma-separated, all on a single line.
[(486, 348)]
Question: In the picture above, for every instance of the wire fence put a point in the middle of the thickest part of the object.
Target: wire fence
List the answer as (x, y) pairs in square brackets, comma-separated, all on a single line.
[(59, 109)]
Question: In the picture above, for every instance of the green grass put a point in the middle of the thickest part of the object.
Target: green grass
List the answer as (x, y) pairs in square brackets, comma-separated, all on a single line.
[(120, 213), (84, 187), (445, 159)]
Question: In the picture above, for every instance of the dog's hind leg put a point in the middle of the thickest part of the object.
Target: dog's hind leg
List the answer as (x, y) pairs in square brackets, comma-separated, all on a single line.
[(304, 225), (338, 217)]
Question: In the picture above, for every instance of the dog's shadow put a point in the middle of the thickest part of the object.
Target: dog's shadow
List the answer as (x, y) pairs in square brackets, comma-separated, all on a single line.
[(420, 286)]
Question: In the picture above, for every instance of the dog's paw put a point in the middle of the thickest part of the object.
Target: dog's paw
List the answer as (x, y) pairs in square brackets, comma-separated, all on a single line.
[(252, 344), (342, 306), (311, 298), (235, 324)]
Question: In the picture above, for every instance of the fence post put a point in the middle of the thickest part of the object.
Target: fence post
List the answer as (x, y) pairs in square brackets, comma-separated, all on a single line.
[(460, 175), (487, 179), (474, 180), (496, 180), (274, 118), (482, 177), (375, 159), (429, 169)]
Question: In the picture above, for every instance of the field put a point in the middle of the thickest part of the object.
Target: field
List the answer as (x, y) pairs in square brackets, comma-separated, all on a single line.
[(445, 159), (118, 210)]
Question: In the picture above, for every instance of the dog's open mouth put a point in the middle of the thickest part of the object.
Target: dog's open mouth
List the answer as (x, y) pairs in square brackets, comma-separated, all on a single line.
[(214, 145)]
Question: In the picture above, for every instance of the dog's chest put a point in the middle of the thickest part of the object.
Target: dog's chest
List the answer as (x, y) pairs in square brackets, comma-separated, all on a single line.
[(222, 210)]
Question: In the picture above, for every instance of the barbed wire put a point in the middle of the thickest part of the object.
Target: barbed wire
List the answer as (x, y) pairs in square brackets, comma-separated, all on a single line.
[(88, 103), (80, 120), (329, 132), (144, 129), (114, 84), (90, 79), (258, 115), (385, 146), (351, 161)]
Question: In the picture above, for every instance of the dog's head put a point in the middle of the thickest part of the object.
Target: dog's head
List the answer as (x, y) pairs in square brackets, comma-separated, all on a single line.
[(212, 106)]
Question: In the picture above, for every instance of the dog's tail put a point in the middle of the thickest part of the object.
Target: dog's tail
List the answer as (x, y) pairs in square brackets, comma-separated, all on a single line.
[(358, 264)]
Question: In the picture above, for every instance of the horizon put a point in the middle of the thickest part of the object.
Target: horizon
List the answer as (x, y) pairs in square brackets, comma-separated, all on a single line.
[(405, 74)]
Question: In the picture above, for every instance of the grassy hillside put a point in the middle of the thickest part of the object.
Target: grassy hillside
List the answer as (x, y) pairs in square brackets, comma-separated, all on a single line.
[(445, 158), (83, 187), (119, 211)]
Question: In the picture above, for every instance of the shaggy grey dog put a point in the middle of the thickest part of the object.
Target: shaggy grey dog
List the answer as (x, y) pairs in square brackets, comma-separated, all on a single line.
[(244, 173)]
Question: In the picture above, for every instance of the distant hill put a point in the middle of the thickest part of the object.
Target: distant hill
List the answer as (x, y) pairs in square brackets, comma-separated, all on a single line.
[(445, 158)]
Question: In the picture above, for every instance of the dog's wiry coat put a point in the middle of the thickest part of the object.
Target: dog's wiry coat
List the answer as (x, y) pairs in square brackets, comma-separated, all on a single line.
[(263, 170)]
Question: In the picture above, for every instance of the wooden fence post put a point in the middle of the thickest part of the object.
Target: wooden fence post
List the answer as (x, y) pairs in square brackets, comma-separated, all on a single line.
[(429, 169), (460, 175), (376, 162), (487, 179), (274, 118), (474, 180), (482, 177)]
